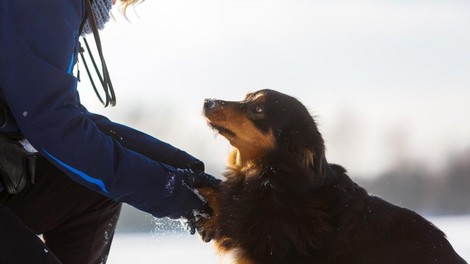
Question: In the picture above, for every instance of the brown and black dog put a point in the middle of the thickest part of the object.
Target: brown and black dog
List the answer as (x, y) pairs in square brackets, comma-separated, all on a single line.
[(282, 202)]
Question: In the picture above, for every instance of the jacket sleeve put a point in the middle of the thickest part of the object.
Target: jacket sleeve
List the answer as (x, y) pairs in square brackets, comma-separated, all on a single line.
[(147, 145), (38, 47)]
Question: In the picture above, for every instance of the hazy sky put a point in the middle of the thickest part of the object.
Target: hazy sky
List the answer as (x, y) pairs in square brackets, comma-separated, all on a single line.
[(389, 81)]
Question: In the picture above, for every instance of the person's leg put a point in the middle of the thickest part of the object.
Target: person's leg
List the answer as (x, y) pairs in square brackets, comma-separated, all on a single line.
[(18, 244), (77, 224), (86, 237)]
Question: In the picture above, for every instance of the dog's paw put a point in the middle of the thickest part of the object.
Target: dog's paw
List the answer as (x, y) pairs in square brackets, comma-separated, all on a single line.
[(206, 229), (206, 225)]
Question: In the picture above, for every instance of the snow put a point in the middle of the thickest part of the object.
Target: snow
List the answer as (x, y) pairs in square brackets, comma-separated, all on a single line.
[(170, 185), (145, 248)]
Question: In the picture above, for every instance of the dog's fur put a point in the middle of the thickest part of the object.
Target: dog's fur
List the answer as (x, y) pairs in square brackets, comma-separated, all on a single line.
[(282, 202)]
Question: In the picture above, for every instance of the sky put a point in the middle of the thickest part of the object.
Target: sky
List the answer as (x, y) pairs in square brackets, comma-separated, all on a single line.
[(387, 81)]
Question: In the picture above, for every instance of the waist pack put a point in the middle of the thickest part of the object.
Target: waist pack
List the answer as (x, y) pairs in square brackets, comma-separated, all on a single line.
[(8, 124), (17, 166)]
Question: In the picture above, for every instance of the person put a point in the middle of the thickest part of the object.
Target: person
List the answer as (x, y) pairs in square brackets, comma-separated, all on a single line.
[(64, 170)]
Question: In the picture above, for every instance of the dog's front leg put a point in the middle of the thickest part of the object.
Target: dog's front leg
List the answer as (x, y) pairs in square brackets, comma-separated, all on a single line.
[(207, 227)]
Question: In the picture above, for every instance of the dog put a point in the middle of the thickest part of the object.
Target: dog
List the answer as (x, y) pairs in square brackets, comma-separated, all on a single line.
[(282, 203)]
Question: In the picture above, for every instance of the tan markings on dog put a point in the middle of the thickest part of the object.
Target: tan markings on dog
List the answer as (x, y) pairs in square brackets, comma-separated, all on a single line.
[(210, 228), (233, 166), (210, 224), (233, 158), (309, 157), (236, 168), (249, 140), (241, 258), (259, 97)]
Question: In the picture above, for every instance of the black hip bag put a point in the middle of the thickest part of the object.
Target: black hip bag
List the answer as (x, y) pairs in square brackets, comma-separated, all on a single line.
[(17, 166), (8, 124)]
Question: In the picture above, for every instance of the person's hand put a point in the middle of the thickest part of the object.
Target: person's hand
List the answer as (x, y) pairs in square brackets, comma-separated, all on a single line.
[(193, 220), (201, 179), (197, 210)]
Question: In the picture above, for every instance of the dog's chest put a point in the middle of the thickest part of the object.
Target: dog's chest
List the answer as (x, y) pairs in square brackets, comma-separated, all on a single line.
[(263, 223)]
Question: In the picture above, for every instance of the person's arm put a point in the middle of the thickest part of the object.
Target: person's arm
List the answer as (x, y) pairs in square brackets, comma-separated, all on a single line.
[(38, 47), (147, 145)]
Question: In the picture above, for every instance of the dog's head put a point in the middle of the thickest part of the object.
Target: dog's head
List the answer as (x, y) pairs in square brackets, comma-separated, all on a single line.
[(268, 125)]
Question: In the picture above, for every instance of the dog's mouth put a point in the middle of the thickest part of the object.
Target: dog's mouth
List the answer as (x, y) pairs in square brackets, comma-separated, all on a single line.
[(222, 130)]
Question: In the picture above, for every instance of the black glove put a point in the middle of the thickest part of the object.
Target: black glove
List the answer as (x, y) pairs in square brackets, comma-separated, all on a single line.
[(202, 179), (193, 180)]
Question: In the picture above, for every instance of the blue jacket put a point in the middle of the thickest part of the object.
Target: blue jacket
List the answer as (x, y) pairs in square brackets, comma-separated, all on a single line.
[(38, 50)]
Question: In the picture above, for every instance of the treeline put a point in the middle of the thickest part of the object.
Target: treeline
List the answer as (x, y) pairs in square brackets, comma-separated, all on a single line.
[(407, 185), (432, 193)]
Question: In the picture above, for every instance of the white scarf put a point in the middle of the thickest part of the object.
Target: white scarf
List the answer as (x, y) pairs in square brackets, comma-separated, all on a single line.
[(101, 9)]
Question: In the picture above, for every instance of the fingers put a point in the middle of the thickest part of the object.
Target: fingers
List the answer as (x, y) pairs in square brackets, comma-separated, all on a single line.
[(196, 223), (206, 180), (206, 234), (189, 225), (192, 230), (203, 220)]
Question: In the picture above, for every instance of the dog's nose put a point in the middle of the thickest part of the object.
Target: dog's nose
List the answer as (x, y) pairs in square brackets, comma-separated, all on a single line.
[(210, 104)]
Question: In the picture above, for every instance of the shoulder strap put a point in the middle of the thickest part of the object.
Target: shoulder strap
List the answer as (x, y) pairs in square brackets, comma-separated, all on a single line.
[(105, 79)]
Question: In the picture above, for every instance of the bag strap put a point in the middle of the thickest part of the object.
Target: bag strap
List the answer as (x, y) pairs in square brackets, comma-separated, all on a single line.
[(105, 79)]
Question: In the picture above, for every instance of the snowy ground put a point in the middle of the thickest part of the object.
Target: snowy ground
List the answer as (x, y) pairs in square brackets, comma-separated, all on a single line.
[(181, 248)]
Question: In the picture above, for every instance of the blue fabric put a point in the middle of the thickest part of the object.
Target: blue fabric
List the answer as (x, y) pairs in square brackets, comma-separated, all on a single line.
[(84, 176), (37, 41)]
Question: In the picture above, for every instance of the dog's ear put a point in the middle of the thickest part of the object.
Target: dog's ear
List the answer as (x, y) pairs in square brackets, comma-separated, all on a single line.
[(296, 133), (313, 148), (305, 145)]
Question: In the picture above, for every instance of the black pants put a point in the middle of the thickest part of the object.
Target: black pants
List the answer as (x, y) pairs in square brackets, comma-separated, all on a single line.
[(77, 224)]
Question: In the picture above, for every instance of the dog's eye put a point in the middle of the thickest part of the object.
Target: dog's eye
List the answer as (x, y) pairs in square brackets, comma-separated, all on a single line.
[(258, 109)]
